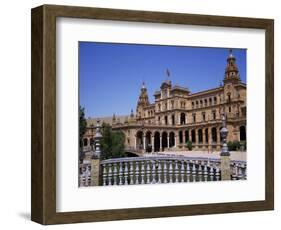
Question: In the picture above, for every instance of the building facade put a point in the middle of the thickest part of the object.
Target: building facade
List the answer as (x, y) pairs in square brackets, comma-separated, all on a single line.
[(178, 116)]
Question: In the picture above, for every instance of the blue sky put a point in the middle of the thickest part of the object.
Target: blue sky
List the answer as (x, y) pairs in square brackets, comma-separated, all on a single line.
[(111, 75)]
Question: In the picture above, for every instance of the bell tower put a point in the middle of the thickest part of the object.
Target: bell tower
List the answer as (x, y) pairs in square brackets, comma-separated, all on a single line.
[(231, 74), (142, 102)]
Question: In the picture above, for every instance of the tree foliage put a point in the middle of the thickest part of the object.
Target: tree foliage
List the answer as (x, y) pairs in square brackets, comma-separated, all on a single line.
[(82, 125), (189, 145), (112, 143)]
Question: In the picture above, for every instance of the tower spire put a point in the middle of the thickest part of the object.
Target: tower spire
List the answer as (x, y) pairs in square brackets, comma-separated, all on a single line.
[(231, 71)]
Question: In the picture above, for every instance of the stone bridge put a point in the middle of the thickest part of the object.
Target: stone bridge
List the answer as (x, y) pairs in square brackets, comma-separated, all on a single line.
[(159, 169)]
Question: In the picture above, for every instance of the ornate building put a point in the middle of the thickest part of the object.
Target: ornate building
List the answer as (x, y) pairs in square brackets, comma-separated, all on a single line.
[(178, 116)]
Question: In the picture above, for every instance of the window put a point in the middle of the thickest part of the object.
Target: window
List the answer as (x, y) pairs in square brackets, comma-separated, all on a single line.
[(192, 104), (194, 117), (215, 100), (206, 102), (166, 120), (203, 116), (214, 115), (210, 101), (229, 109)]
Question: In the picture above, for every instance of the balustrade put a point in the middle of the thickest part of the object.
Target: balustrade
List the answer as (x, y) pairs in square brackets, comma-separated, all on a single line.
[(160, 169)]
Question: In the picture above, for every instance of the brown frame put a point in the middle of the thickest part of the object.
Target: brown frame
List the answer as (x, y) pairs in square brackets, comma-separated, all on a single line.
[(43, 188)]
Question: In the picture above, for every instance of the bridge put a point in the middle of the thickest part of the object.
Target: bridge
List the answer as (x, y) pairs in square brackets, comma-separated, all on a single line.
[(159, 169)]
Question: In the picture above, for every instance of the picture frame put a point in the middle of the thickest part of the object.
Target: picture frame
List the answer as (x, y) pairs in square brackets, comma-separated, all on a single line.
[(44, 122)]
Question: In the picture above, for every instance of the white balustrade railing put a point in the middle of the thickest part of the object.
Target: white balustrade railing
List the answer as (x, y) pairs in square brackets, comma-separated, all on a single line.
[(160, 169)]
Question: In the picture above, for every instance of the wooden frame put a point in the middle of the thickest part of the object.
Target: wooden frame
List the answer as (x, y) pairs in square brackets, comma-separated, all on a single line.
[(43, 208)]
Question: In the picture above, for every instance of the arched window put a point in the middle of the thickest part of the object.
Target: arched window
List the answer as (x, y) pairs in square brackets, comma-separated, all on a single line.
[(182, 118), (193, 138), (200, 136), (85, 142), (242, 130), (180, 137), (214, 134)]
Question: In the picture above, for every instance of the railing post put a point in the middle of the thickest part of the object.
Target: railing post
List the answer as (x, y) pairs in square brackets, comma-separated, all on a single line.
[(225, 155)]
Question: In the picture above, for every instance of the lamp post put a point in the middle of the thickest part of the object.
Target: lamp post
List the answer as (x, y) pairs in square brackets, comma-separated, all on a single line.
[(225, 155), (97, 138), (95, 162)]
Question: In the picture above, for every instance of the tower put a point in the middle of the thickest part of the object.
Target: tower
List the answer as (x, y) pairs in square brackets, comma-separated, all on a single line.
[(231, 81), (142, 101), (231, 74)]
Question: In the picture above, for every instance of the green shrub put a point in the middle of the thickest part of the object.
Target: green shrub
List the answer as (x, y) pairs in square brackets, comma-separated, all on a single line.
[(236, 145), (189, 145)]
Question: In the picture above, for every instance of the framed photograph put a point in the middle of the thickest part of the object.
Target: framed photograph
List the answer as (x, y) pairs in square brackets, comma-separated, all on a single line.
[(140, 114)]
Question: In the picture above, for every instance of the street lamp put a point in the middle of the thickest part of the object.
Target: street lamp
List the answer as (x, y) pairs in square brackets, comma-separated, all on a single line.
[(97, 139)]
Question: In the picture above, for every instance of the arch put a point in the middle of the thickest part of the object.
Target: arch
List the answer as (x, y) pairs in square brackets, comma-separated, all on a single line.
[(182, 118), (200, 136), (206, 135), (164, 140), (242, 130), (85, 142), (180, 137), (156, 141), (193, 137), (171, 139), (214, 134), (139, 137), (148, 145), (186, 136)]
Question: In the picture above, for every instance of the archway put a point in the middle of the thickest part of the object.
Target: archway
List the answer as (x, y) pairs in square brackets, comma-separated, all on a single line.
[(180, 137), (156, 142), (139, 140), (200, 136), (164, 140), (186, 136), (148, 146), (172, 139), (206, 135), (193, 138), (214, 135), (242, 130)]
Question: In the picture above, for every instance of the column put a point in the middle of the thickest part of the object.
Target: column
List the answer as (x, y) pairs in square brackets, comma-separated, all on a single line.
[(135, 142), (204, 138), (144, 142), (152, 143), (160, 143), (196, 138), (176, 140), (209, 138), (189, 135), (218, 138), (225, 155), (168, 140), (95, 172), (183, 138)]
